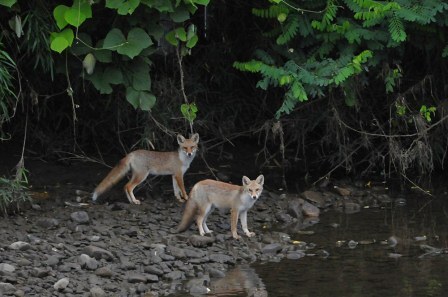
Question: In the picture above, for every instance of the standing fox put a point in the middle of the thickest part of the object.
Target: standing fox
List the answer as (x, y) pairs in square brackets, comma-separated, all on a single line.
[(208, 194), (143, 162)]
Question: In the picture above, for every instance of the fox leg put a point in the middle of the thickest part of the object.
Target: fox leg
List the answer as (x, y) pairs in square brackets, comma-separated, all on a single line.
[(202, 217), (180, 184), (204, 224), (234, 223), (136, 179), (176, 190), (243, 219)]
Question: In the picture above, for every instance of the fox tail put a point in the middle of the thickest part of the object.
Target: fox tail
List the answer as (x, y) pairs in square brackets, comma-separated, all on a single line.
[(114, 176), (189, 214)]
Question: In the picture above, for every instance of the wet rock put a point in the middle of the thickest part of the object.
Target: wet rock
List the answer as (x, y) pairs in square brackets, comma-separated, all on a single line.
[(97, 292), (80, 217), (294, 255), (309, 209), (61, 284), (6, 268), (221, 258), (315, 197), (283, 217), (272, 248), (343, 191), (216, 273), (201, 241), (136, 278), (351, 207), (198, 286), (40, 272), (20, 245), (176, 252), (153, 270), (294, 208), (97, 253)]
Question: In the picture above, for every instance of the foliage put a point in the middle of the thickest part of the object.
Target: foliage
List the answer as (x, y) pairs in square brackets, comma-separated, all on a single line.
[(122, 58), (317, 51), (189, 111), (7, 97), (14, 191)]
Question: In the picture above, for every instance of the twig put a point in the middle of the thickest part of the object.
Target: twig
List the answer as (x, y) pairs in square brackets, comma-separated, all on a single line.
[(182, 86), (426, 192)]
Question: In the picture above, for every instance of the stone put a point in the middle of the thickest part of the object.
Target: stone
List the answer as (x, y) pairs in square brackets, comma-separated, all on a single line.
[(201, 241), (80, 217), (97, 292), (315, 197), (20, 245), (221, 258), (48, 223), (105, 271), (61, 284), (175, 275), (272, 248), (6, 288), (97, 253), (6, 268), (88, 262)]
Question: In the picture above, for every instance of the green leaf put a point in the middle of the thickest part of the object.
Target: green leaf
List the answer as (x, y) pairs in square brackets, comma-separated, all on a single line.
[(102, 80), (74, 16), (8, 3), (201, 2), (137, 40), (180, 15), (123, 7), (142, 99), (58, 14), (181, 34), (171, 38), (114, 39), (113, 75), (61, 40), (139, 76), (192, 41), (59, 44)]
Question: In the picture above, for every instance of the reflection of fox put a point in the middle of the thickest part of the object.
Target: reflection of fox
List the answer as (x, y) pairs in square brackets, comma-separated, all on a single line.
[(142, 163), (208, 194)]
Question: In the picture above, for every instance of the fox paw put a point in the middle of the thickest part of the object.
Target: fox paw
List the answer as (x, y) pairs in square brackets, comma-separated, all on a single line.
[(250, 234), (137, 202)]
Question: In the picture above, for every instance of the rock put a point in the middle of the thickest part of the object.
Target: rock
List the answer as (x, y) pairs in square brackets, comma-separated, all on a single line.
[(294, 208), (20, 245), (342, 191), (104, 271), (283, 217), (176, 252), (47, 223), (272, 248), (52, 260), (315, 197), (6, 268), (6, 288), (153, 270), (175, 275), (97, 252), (136, 278), (61, 284), (310, 209), (221, 258), (87, 262), (40, 272), (80, 217), (97, 292), (294, 255), (201, 241), (351, 207), (216, 273)]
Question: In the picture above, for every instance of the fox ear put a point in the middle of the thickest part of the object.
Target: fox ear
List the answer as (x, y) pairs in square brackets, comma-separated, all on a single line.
[(180, 139), (195, 137), (246, 180), (260, 179)]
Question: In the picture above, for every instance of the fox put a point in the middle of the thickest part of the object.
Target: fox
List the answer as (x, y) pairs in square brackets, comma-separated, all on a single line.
[(208, 194), (142, 163)]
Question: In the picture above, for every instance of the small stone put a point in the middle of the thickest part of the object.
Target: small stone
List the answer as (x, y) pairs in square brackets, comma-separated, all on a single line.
[(97, 292), (201, 241), (8, 268), (97, 253), (6, 288), (80, 217), (272, 248), (61, 284), (20, 245), (48, 223), (104, 271), (87, 262)]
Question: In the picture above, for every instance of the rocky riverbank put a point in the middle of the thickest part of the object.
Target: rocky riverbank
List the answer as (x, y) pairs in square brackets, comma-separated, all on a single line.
[(118, 249)]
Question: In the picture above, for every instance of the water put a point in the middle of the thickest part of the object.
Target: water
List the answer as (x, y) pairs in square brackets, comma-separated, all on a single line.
[(373, 268)]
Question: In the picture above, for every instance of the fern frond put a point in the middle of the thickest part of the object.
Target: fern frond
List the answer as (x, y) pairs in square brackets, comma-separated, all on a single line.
[(250, 66), (396, 29), (271, 12), (290, 29)]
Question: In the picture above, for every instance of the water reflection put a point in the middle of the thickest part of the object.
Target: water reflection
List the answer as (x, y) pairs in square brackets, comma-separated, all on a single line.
[(374, 266), (240, 281)]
